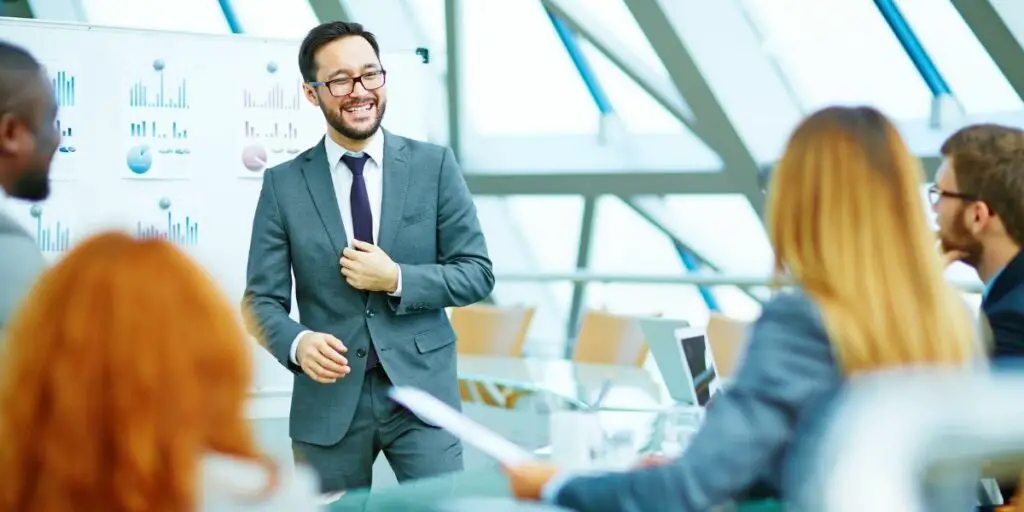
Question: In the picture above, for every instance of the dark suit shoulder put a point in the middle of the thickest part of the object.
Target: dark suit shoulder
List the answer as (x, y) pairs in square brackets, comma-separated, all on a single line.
[(419, 145)]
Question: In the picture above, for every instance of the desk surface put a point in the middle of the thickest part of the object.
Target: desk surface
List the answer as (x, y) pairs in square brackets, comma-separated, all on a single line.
[(631, 388)]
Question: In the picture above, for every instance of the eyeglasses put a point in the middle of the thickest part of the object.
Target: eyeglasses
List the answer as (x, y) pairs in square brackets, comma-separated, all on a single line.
[(344, 86), (935, 194)]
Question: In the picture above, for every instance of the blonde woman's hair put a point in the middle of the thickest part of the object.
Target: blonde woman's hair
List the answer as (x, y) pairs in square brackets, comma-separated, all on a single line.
[(846, 220)]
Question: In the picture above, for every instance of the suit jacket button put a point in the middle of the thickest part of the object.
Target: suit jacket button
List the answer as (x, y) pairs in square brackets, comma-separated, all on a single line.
[(369, 313), (360, 353)]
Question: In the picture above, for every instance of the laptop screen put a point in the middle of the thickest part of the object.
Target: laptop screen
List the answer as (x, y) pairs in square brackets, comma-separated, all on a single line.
[(695, 349)]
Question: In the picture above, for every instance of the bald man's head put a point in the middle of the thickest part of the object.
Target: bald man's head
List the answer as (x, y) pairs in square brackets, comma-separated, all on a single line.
[(28, 136)]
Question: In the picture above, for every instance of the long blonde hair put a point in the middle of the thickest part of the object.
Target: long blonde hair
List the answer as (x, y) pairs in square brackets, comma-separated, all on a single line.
[(846, 221)]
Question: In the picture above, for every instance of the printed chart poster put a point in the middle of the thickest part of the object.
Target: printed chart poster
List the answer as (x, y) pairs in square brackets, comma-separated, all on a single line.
[(73, 149), (167, 217), (158, 116), (276, 122), (54, 223), (75, 91)]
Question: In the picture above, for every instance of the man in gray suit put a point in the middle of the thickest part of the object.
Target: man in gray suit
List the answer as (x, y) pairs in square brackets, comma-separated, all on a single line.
[(28, 140), (381, 234)]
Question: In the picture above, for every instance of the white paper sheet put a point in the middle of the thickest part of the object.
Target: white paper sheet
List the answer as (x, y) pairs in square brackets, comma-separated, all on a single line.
[(437, 412)]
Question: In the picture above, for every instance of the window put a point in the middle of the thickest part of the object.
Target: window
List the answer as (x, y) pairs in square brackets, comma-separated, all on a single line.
[(185, 15), (736, 241), (429, 16), (841, 51), (637, 109), (517, 77), (615, 17), (275, 18), (968, 69), (534, 234), (625, 243)]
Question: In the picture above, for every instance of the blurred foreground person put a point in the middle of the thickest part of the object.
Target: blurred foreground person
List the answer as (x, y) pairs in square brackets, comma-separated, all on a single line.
[(124, 384), (28, 140), (848, 229)]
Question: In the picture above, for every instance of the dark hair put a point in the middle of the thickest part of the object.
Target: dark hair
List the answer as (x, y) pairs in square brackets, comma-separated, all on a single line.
[(17, 66), (324, 34), (988, 164)]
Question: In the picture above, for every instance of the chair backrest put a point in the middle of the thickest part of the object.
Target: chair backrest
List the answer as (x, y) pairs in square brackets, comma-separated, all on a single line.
[(728, 338), (911, 441), (606, 338), (485, 330)]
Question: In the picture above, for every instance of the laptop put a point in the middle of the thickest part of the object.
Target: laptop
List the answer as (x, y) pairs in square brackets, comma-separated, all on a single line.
[(683, 357)]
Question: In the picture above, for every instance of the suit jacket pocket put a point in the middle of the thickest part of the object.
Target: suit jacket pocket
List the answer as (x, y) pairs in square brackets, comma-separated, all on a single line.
[(434, 339), (415, 217)]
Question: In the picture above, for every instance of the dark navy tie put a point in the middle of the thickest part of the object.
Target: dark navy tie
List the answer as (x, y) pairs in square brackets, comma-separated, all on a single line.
[(362, 220)]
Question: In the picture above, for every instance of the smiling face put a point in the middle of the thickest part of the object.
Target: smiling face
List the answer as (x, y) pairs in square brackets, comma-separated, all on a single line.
[(344, 64)]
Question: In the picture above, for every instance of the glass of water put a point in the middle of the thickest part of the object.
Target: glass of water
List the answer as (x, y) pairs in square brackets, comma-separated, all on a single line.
[(678, 425)]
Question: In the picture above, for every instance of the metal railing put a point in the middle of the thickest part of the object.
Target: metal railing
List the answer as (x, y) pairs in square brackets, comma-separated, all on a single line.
[(694, 279)]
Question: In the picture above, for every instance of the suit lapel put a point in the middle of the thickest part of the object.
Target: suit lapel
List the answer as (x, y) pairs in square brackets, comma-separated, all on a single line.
[(321, 187), (396, 186)]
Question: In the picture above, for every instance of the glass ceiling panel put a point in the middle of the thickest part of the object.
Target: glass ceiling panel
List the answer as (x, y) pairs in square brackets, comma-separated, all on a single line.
[(841, 52)]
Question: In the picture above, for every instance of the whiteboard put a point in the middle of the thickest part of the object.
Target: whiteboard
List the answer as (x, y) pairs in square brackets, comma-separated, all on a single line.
[(168, 133)]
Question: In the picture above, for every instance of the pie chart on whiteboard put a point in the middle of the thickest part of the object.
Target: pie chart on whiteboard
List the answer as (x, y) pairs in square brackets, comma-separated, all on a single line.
[(254, 157), (140, 159)]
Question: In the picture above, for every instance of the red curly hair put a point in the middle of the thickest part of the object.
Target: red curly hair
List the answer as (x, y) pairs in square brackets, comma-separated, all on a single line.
[(125, 365)]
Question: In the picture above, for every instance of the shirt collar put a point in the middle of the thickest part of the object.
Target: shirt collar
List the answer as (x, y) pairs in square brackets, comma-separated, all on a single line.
[(375, 149), (988, 285)]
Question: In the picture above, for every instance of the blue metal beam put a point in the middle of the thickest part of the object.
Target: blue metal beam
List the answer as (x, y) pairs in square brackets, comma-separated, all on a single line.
[(230, 17), (572, 47), (912, 45), (691, 264)]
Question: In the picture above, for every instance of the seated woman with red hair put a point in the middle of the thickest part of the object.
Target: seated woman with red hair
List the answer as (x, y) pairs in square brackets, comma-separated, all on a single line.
[(123, 386)]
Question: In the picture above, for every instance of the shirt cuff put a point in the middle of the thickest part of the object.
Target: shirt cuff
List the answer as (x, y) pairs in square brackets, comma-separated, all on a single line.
[(398, 288), (295, 348), (549, 493)]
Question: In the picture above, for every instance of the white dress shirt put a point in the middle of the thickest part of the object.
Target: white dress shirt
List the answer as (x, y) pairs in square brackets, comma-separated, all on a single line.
[(373, 175)]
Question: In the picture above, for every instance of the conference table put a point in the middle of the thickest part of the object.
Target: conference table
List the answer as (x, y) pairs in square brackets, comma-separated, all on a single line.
[(576, 385), (634, 394)]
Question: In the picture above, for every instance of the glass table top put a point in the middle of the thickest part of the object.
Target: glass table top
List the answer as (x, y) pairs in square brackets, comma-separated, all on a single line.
[(629, 388)]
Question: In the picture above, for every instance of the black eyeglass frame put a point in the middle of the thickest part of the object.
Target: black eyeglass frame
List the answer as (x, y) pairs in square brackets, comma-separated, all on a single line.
[(935, 194), (330, 84)]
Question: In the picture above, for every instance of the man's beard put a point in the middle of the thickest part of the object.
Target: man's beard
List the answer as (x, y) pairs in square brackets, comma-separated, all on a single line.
[(335, 119), (31, 186), (959, 238)]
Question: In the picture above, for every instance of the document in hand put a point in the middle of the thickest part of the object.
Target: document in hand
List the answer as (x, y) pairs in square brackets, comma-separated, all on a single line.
[(437, 412)]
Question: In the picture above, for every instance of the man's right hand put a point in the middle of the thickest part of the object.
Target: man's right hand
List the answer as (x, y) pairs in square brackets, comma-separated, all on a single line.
[(951, 257), (320, 356)]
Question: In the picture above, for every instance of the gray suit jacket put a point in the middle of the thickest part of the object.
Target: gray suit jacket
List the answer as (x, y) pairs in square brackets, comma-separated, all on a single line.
[(20, 265), (428, 226), (787, 369)]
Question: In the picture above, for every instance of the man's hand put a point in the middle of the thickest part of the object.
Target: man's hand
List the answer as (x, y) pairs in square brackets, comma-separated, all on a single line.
[(654, 461), (951, 257), (320, 356), (528, 480), (365, 267)]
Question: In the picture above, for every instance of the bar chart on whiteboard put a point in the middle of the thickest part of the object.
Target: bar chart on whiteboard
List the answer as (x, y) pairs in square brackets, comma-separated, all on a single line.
[(155, 128), (277, 123)]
